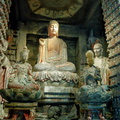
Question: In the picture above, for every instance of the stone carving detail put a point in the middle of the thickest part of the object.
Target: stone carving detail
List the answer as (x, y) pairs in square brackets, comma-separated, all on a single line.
[(57, 78), (101, 62), (60, 112), (4, 14), (18, 95), (5, 66), (55, 9), (4, 62)]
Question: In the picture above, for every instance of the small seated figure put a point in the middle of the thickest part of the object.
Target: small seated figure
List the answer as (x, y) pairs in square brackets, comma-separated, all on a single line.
[(53, 52), (92, 92), (21, 76), (90, 68)]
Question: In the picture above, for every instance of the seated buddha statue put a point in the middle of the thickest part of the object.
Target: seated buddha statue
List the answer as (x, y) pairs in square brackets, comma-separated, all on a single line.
[(53, 52)]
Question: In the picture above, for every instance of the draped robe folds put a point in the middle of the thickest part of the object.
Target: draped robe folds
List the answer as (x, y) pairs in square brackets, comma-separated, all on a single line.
[(53, 56), (53, 51), (102, 63)]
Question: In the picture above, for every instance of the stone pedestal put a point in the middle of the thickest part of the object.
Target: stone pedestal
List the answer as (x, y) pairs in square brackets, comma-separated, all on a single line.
[(59, 93), (94, 111), (58, 100), (17, 110)]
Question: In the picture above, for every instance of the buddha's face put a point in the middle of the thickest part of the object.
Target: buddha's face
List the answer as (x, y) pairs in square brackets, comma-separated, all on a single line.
[(53, 29), (97, 50)]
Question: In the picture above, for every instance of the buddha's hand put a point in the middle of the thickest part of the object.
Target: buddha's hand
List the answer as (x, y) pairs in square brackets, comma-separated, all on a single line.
[(42, 41)]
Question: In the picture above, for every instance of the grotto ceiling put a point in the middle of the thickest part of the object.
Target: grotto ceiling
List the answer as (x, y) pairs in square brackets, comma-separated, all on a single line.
[(55, 8), (64, 11)]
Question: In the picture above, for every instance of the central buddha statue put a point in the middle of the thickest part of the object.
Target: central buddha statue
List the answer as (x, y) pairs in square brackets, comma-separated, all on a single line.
[(53, 52)]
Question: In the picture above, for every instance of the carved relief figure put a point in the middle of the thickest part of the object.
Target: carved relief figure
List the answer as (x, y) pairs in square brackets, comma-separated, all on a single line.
[(101, 62), (53, 52), (21, 77)]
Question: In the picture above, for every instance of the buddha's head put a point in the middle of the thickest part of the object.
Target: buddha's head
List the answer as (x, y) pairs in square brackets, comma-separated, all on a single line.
[(53, 28), (24, 54), (98, 50)]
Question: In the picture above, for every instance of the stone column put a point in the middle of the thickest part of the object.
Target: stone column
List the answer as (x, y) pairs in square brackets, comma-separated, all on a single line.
[(81, 50), (21, 42)]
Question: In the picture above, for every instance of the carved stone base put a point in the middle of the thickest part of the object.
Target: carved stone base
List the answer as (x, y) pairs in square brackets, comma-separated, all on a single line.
[(17, 110), (92, 111), (58, 103), (58, 95), (57, 78)]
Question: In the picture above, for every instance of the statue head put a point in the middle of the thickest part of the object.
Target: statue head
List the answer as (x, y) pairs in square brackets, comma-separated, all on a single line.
[(24, 54), (53, 28), (90, 61), (90, 57), (98, 50)]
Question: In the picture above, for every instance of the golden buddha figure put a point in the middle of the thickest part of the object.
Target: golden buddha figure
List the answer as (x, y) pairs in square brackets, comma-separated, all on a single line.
[(53, 52)]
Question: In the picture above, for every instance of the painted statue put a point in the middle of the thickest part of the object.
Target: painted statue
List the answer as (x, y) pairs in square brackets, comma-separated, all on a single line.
[(90, 68), (101, 62), (21, 76), (53, 52), (5, 66)]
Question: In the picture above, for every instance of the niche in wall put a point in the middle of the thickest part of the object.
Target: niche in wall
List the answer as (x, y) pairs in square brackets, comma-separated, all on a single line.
[(33, 46)]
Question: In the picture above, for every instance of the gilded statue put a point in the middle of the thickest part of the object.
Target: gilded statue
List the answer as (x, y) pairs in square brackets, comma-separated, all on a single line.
[(53, 52), (101, 62)]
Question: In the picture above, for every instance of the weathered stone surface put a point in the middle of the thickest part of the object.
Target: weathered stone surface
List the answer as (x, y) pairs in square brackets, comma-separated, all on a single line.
[(18, 95), (57, 78)]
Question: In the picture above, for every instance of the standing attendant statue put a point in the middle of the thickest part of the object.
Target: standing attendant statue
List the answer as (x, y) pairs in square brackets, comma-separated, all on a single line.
[(101, 62), (90, 69)]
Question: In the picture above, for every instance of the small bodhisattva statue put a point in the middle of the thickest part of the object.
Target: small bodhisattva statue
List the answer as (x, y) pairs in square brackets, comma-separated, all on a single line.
[(101, 62), (21, 77)]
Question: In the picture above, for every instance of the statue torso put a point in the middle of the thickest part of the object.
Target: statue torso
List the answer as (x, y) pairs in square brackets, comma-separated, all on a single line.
[(53, 47)]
